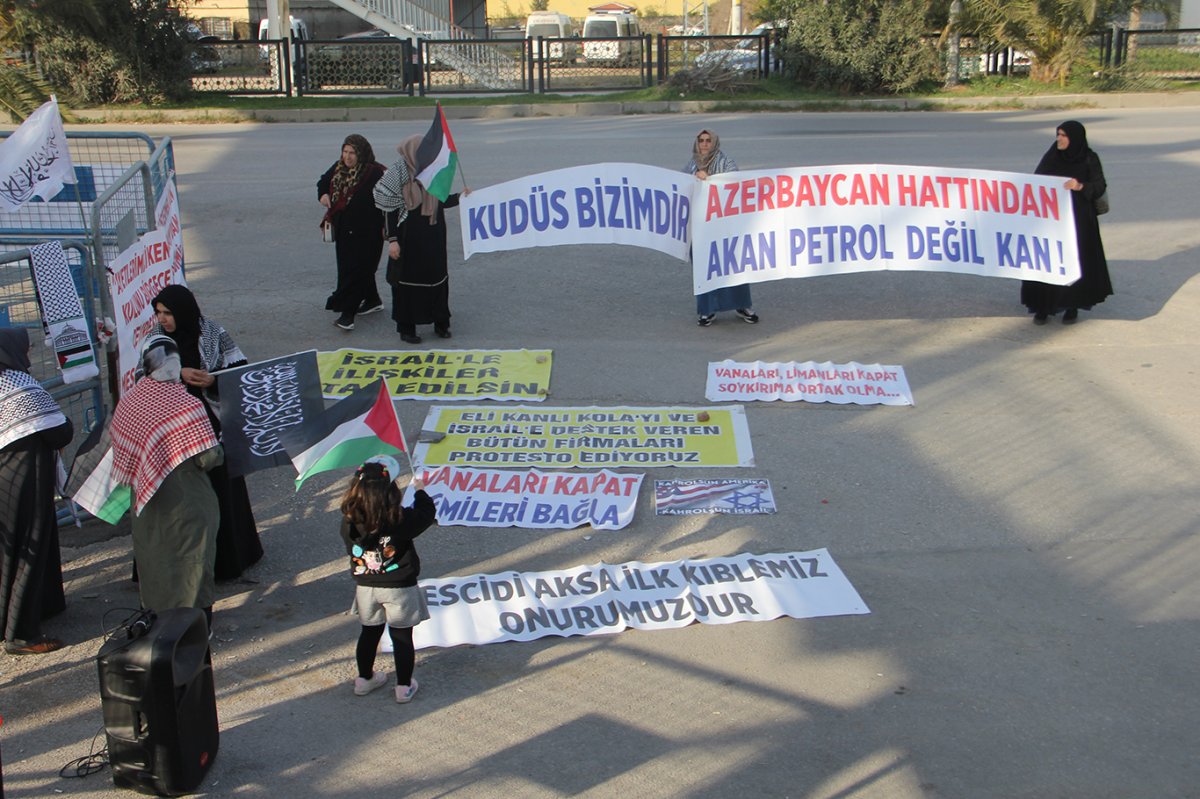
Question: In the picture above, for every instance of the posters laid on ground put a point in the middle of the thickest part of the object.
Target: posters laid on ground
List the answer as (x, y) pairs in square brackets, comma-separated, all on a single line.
[(771, 224), (564, 438), (601, 598), (512, 375), (841, 383), (736, 497), (546, 500), (260, 402), (636, 204)]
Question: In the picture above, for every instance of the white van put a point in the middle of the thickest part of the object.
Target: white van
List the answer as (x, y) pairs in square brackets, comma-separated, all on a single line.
[(552, 25), (612, 26)]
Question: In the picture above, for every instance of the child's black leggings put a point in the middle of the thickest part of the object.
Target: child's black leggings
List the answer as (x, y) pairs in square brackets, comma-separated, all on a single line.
[(402, 651)]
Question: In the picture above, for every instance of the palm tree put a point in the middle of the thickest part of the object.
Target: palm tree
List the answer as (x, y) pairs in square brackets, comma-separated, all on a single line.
[(1053, 32), (22, 89)]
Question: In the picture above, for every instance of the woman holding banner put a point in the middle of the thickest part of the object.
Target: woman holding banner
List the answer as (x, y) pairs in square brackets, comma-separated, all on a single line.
[(345, 191), (415, 229), (205, 348), (1071, 158), (32, 430), (708, 159)]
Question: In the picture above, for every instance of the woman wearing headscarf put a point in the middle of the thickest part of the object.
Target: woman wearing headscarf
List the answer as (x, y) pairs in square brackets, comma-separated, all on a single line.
[(204, 348), (415, 229), (345, 191), (32, 430), (1071, 158), (162, 447), (708, 159)]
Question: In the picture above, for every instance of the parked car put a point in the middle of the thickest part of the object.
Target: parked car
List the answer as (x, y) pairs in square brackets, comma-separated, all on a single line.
[(624, 39), (552, 25), (744, 56)]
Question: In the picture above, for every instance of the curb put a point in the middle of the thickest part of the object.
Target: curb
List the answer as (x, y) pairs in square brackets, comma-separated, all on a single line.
[(410, 113)]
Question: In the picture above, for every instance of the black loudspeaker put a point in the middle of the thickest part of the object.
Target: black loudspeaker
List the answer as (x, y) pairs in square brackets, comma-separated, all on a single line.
[(159, 703)]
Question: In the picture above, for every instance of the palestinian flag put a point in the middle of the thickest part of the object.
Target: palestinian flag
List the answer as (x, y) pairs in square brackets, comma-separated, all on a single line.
[(436, 158), (101, 496), (357, 427)]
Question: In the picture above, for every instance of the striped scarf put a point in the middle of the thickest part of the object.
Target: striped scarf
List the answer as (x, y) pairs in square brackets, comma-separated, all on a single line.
[(389, 191)]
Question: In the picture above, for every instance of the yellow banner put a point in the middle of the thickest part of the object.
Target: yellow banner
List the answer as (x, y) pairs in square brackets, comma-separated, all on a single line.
[(505, 375), (592, 437)]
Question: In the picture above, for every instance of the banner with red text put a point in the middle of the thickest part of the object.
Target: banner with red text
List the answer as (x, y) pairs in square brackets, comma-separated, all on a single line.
[(751, 227), (840, 383), (602, 598), (541, 500), (135, 277)]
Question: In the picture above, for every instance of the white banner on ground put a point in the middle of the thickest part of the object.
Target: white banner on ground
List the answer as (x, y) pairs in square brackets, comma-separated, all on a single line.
[(841, 383), (751, 227), (135, 278), (636, 204), (602, 599), (496, 498)]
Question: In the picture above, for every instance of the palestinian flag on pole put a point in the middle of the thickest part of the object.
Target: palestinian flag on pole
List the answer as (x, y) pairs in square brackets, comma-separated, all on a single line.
[(357, 427), (436, 158)]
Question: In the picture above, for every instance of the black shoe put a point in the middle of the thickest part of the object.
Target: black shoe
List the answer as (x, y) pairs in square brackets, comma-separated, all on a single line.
[(706, 320), (410, 338), (368, 307), (345, 322), (1070, 316), (1040, 318), (748, 316), (442, 332)]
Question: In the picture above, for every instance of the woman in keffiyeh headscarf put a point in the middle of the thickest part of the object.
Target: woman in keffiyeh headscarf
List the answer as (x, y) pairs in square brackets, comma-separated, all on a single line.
[(345, 191), (32, 430), (1071, 158), (204, 348), (162, 445), (415, 229), (708, 159)]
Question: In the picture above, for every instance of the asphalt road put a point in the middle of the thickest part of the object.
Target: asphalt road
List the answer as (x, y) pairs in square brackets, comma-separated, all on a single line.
[(1025, 535)]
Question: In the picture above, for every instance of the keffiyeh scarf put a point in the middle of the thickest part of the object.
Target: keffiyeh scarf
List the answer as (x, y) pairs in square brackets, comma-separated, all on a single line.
[(389, 191), (25, 407), (155, 427)]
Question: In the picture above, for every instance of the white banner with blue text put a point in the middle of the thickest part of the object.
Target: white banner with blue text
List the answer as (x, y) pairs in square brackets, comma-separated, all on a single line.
[(602, 599)]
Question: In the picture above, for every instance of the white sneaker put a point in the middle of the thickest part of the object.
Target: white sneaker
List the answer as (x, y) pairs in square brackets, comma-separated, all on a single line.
[(363, 687), (405, 693)]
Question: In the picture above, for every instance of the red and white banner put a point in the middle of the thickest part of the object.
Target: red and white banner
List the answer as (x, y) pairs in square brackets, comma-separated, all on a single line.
[(840, 383), (602, 599), (751, 227), (550, 501)]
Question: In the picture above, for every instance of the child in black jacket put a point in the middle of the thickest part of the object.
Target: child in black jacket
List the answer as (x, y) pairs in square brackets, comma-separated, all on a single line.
[(379, 537)]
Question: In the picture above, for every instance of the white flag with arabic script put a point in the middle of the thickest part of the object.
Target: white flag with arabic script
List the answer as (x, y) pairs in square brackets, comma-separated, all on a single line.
[(35, 159)]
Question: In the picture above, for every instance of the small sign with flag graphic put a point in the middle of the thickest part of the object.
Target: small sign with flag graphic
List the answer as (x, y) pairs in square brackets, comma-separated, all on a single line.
[(437, 158), (356, 428)]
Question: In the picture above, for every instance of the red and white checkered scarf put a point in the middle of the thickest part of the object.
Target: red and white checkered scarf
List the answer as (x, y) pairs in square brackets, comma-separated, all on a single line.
[(156, 427)]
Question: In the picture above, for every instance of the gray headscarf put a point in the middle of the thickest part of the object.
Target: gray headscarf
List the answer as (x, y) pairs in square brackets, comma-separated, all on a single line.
[(14, 349), (160, 359)]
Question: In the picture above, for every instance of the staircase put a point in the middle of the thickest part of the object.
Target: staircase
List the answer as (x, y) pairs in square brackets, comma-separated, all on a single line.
[(432, 19)]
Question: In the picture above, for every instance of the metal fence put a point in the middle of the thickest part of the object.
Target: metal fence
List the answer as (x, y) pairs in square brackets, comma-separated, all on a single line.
[(1171, 54), (237, 67)]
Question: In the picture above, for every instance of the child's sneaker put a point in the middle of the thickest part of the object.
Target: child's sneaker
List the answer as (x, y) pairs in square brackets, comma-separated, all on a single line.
[(363, 687), (405, 693)]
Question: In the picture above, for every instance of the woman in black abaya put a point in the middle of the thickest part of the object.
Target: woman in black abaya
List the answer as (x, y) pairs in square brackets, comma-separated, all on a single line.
[(32, 430), (204, 348), (1071, 158)]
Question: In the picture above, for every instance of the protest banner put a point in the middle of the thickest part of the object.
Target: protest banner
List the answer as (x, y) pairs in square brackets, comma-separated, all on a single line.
[(841, 383), (259, 402), (751, 227), (565, 438), (166, 214), (493, 498), (35, 160), (635, 204), (689, 497), (510, 375), (135, 278), (602, 599)]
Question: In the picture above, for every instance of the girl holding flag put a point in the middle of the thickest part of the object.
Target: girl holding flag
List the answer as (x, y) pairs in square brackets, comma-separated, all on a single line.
[(379, 534)]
